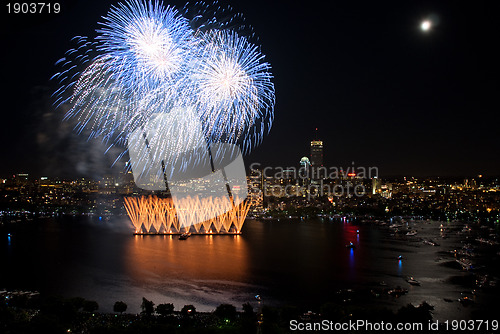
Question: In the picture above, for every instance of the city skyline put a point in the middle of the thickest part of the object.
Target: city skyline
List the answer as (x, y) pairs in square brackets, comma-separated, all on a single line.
[(411, 102), (315, 156)]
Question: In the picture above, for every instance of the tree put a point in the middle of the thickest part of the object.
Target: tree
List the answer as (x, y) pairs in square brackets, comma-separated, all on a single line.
[(248, 321), (421, 313), (76, 302), (226, 311), (188, 310), (147, 307), (248, 309), (165, 309), (120, 307), (90, 306)]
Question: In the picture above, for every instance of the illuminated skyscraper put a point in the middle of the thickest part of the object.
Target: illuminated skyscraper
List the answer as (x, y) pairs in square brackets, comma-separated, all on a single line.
[(317, 153), (376, 185)]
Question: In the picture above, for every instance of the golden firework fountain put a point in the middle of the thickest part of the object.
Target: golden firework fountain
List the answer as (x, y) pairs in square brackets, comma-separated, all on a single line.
[(156, 215)]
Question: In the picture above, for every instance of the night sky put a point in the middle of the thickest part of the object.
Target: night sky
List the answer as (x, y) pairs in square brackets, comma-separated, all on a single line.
[(380, 90)]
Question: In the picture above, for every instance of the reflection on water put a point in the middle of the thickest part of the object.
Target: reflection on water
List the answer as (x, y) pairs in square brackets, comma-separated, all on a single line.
[(205, 257), (204, 270), (286, 261)]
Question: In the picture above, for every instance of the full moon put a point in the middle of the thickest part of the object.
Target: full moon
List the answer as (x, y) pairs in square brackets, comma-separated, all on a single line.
[(425, 25)]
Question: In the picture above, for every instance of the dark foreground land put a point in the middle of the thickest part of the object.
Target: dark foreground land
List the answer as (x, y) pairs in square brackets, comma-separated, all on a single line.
[(35, 313)]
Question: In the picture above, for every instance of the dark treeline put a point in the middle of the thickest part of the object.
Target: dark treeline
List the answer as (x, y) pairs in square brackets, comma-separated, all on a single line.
[(53, 314)]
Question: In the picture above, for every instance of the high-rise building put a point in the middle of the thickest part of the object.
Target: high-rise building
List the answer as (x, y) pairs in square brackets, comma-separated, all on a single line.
[(256, 187), (317, 153), (376, 185)]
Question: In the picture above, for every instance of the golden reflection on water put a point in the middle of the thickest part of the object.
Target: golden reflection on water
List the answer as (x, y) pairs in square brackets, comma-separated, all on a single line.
[(207, 257)]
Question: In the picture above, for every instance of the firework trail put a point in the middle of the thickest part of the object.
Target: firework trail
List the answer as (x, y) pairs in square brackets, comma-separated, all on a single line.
[(205, 16)]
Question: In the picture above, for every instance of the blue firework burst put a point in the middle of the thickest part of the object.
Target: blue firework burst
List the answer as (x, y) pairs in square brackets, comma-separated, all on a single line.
[(148, 59)]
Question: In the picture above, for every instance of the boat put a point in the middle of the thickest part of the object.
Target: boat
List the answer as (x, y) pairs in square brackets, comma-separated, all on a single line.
[(412, 280), (487, 242), (411, 233), (258, 297), (398, 291), (465, 299), (350, 245), (184, 236), (466, 264), (430, 242), (400, 257)]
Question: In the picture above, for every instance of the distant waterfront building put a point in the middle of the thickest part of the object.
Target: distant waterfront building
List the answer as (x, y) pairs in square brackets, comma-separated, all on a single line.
[(380, 188), (255, 194), (304, 174), (386, 190), (22, 179), (470, 184), (376, 185), (317, 153), (288, 177), (304, 162)]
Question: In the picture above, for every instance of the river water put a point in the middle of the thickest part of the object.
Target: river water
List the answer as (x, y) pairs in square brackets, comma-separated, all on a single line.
[(288, 261)]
